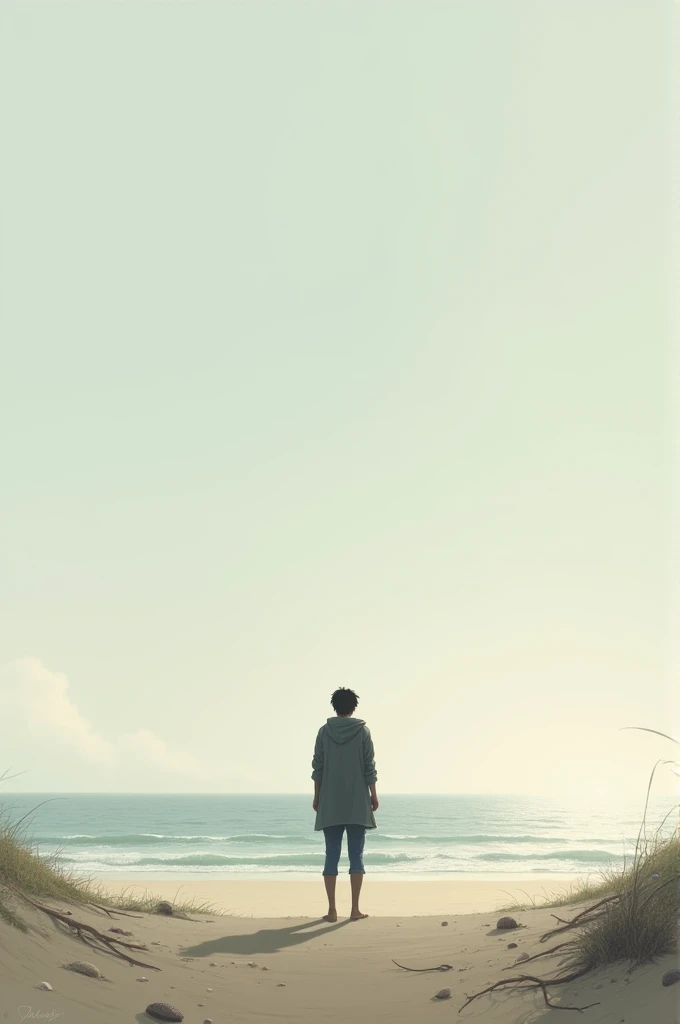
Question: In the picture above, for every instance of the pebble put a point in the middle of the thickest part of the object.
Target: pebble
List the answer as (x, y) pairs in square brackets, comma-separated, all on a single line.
[(506, 922), (670, 978), (522, 957), (142, 979), (163, 1011), (281, 984), (251, 964), (444, 924), (444, 993), (164, 908), (512, 945), (45, 986), (264, 968), (213, 963), (208, 990), (156, 942), (208, 1020), (84, 967)]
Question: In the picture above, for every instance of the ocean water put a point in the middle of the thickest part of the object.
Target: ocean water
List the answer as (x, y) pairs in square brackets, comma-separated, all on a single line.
[(189, 836)]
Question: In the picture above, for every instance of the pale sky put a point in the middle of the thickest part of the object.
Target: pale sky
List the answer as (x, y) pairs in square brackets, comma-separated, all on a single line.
[(337, 352)]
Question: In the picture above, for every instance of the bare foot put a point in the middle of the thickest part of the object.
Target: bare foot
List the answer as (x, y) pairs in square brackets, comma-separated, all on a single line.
[(332, 915), (356, 915)]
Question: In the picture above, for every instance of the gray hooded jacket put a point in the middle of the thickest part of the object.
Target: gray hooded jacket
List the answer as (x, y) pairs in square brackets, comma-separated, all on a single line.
[(344, 764)]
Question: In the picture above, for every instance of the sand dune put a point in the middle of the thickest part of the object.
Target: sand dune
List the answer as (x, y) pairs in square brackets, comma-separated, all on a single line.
[(316, 972)]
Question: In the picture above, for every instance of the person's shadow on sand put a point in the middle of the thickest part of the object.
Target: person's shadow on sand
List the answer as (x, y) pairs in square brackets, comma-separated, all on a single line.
[(266, 940)]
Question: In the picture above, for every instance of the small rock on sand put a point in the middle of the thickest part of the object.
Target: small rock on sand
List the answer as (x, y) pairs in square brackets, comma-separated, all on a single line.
[(445, 924), (670, 978), (164, 908), (163, 1011), (264, 968), (208, 1020), (281, 984), (84, 967), (213, 963), (522, 957), (251, 964), (142, 979), (507, 922), (45, 986), (512, 945), (208, 990), (444, 993)]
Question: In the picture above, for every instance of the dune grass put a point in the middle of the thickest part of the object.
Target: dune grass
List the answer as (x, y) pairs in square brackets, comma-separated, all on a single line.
[(23, 870), (639, 925), (627, 917), (633, 914)]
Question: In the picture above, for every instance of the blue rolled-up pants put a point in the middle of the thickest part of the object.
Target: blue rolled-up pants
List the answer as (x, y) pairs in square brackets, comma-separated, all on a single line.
[(356, 834)]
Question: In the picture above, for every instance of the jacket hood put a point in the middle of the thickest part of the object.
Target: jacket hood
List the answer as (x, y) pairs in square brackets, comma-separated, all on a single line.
[(340, 730)]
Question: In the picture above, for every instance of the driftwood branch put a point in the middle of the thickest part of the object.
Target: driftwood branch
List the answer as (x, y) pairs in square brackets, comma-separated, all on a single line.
[(579, 919), (113, 912), (571, 924), (546, 952), (587, 916), (527, 981), (108, 944)]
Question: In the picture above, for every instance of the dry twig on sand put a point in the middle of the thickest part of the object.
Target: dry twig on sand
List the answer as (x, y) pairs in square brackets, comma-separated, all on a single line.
[(423, 970)]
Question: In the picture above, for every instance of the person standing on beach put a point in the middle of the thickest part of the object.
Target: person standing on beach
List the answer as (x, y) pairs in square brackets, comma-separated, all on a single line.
[(343, 770)]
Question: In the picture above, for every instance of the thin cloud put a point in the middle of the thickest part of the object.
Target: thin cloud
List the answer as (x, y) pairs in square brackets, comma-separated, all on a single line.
[(36, 701)]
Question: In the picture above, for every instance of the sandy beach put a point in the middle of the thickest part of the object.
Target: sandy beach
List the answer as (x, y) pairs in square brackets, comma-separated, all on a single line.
[(381, 897), (301, 969)]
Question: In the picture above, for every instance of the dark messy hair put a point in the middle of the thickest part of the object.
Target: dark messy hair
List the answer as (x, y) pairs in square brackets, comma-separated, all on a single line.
[(344, 701)]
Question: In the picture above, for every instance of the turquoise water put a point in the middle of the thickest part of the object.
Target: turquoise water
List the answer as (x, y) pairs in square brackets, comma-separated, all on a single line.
[(254, 836)]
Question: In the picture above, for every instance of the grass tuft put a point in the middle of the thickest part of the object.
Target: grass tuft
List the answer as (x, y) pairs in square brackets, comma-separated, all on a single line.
[(640, 926)]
